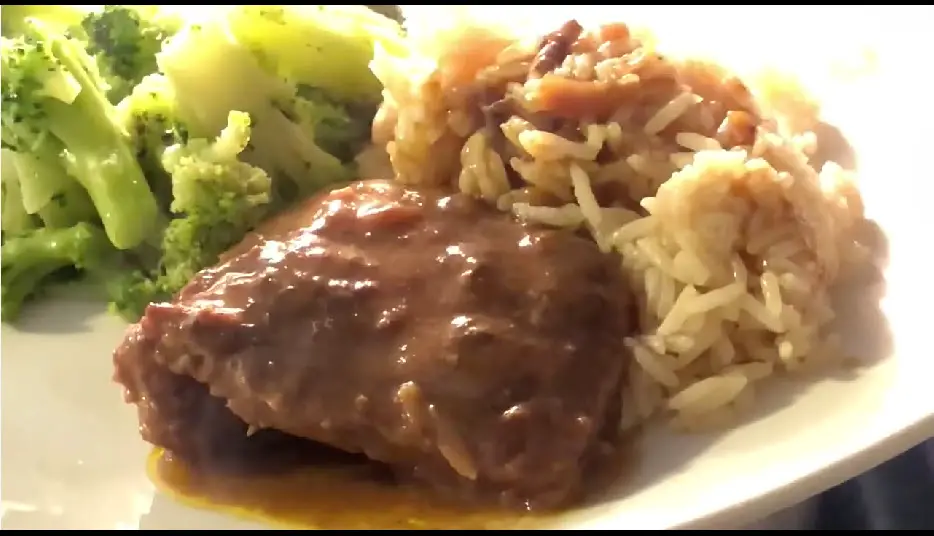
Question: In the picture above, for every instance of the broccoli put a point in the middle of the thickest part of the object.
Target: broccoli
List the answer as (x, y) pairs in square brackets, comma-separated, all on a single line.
[(121, 40), (53, 109), (131, 292), (141, 142), (47, 190), (29, 259), (329, 47), (13, 216), (338, 127), (61, 18), (216, 199), (150, 115), (211, 74), (124, 40)]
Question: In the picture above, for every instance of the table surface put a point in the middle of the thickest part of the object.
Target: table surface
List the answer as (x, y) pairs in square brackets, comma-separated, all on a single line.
[(897, 495)]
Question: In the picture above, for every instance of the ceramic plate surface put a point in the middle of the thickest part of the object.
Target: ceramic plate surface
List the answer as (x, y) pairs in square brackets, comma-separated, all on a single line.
[(72, 458)]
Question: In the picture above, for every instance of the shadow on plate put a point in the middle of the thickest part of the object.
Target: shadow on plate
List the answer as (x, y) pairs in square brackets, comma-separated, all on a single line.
[(74, 311), (832, 146)]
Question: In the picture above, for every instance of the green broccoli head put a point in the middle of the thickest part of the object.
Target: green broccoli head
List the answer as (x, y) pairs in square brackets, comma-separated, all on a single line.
[(150, 115), (28, 259), (211, 73), (31, 77), (340, 128), (54, 109), (169, 175), (14, 219), (31, 74), (62, 18), (326, 46), (216, 200), (208, 178), (124, 40)]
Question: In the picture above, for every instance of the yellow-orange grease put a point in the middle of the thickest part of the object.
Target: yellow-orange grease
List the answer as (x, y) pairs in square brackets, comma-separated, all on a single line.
[(323, 497)]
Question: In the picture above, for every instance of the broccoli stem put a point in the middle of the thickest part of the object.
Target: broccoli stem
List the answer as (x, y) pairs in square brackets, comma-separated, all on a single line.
[(329, 47), (27, 260), (15, 219), (316, 168), (13, 216), (99, 155), (48, 191), (70, 206)]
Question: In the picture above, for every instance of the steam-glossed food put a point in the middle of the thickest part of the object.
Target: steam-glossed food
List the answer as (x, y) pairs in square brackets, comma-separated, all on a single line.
[(471, 353)]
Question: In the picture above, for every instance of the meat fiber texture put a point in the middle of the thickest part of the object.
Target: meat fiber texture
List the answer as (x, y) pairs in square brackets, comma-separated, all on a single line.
[(474, 354)]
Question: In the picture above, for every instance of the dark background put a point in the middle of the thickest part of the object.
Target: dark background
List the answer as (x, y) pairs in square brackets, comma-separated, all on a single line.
[(897, 495)]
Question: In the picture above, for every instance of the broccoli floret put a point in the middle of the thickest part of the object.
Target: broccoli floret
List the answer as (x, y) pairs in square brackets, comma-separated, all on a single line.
[(61, 18), (124, 40), (222, 115), (47, 92), (212, 74), (13, 216), (150, 115), (29, 259), (216, 198), (328, 47), (341, 129), (130, 292)]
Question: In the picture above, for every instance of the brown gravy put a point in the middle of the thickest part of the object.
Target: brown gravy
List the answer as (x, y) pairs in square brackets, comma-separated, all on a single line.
[(353, 496), (328, 497)]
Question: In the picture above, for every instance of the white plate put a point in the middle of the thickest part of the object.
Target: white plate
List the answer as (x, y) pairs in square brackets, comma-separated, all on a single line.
[(72, 459)]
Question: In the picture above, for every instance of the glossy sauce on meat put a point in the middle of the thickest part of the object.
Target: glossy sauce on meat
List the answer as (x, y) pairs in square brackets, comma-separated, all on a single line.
[(478, 357)]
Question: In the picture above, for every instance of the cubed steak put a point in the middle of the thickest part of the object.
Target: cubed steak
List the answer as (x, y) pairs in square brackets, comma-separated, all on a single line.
[(472, 353)]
